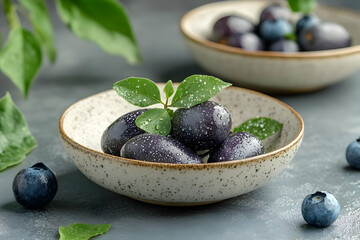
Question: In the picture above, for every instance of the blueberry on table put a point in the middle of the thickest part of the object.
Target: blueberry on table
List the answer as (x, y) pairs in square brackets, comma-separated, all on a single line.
[(284, 45), (246, 41), (237, 146), (272, 31), (320, 209), (120, 131), (230, 25), (201, 127), (306, 22), (274, 12), (324, 36), (35, 186), (158, 148), (353, 154)]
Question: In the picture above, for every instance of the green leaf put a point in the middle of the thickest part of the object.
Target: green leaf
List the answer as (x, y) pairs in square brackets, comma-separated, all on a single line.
[(20, 59), (303, 6), (15, 138), (141, 92), (11, 15), (81, 231), (261, 127), (197, 89), (103, 22), (155, 121), (291, 36), (40, 20), (169, 89), (170, 112)]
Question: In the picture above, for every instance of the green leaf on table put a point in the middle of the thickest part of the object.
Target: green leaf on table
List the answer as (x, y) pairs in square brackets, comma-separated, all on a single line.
[(261, 127), (15, 138), (155, 121), (20, 58), (81, 231), (197, 89), (169, 89), (103, 22), (140, 92), (40, 20), (303, 6)]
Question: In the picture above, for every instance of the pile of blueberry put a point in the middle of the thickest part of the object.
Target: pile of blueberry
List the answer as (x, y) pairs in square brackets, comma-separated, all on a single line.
[(276, 33), (203, 128)]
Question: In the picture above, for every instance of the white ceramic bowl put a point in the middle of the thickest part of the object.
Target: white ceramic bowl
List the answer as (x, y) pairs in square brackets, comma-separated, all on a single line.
[(83, 123), (270, 71)]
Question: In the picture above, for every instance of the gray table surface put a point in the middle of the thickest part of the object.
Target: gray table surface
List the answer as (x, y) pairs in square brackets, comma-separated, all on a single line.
[(332, 120)]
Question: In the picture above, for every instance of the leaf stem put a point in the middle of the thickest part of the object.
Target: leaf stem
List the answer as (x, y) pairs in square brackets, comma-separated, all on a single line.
[(11, 16), (166, 103)]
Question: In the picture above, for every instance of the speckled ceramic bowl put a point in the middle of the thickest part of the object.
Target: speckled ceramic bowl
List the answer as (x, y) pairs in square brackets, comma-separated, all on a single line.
[(83, 123), (270, 71)]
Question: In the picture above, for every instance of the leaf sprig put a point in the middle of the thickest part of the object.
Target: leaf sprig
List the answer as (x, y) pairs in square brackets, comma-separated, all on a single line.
[(103, 22), (143, 92)]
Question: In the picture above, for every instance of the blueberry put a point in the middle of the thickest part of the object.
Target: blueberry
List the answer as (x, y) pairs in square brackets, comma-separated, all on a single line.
[(238, 145), (353, 154), (201, 127), (120, 131), (246, 41), (320, 209), (272, 31), (275, 12), (230, 25), (35, 186), (284, 45), (158, 148), (324, 36), (306, 22)]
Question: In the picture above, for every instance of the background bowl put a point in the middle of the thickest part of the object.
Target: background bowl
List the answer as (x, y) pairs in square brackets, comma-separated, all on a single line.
[(270, 71), (83, 123)]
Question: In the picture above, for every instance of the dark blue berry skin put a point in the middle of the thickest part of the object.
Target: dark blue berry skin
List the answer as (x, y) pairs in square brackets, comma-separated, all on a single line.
[(324, 36), (274, 12), (158, 148), (120, 131), (284, 45), (353, 154), (320, 209), (306, 22), (246, 41), (230, 25), (35, 186), (201, 127), (237, 146), (272, 31)]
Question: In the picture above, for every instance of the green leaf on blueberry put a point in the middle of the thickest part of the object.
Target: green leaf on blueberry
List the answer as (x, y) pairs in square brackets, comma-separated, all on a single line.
[(81, 231), (155, 121), (197, 89), (303, 6), (169, 89), (261, 127), (140, 92), (15, 138), (143, 92)]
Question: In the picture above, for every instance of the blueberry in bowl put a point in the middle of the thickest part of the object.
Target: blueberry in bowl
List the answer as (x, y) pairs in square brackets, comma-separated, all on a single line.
[(281, 71), (177, 184)]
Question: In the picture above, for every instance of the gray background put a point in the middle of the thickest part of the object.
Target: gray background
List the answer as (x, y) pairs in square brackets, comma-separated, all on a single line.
[(332, 120)]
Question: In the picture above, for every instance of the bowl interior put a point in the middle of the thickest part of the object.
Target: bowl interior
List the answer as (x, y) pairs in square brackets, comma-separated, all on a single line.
[(198, 23), (85, 121)]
